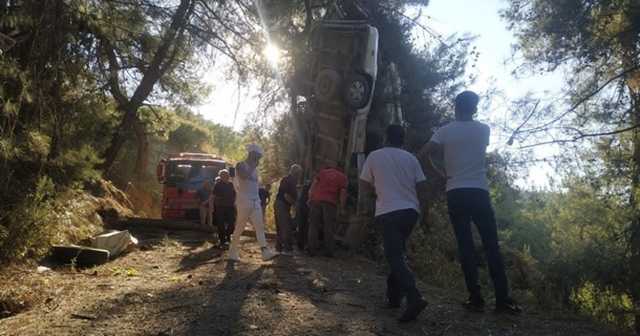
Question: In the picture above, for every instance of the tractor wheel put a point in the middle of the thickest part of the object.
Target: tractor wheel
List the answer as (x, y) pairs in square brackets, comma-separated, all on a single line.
[(357, 91)]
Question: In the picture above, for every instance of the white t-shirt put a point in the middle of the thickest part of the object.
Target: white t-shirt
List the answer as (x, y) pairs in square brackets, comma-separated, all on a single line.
[(394, 173), (465, 147), (247, 189)]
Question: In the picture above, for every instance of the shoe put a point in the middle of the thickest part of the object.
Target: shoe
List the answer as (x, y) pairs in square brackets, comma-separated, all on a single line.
[(233, 255), (474, 304), (413, 310), (268, 254), (509, 306)]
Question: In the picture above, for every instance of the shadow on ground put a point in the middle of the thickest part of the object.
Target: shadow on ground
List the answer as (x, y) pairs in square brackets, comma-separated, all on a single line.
[(187, 288)]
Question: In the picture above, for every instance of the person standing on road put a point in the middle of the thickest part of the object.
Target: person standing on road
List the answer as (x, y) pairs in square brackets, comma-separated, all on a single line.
[(328, 192), (463, 143), (285, 199), (248, 204), (204, 199), (265, 197), (224, 200), (397, 179)]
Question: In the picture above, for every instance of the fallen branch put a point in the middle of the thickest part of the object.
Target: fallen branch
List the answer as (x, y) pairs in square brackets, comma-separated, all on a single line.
[(166, 310), (83, 317)]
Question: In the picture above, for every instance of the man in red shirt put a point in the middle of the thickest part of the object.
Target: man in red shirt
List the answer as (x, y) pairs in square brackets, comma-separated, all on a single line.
[(329, 186)]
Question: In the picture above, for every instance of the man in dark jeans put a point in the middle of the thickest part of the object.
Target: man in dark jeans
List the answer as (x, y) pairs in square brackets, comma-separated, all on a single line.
[(224, 203), (397, 178), (285, 199), (463, 143), (302, 217)]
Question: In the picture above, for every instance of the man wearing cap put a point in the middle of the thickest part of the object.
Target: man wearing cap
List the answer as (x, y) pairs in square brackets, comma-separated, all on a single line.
[(285, 199), (224, 200), (248, 204), (463, 143)]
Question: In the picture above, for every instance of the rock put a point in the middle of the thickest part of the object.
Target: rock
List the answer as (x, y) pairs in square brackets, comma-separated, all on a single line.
[(43, 269)]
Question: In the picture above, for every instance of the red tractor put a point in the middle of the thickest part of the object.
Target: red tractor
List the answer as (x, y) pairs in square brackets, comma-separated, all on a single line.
[(182, 175)]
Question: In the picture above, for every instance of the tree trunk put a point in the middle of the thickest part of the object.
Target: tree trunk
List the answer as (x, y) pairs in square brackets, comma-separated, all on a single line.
[(162, 61), (142, 158), (118, 139), (634, 239)]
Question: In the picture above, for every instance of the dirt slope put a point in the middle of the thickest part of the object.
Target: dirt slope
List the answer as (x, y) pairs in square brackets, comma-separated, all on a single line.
[(180, 285)]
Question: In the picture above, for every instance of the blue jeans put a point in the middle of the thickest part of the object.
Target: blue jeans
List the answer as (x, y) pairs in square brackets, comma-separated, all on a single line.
[(396, 228), (467, 205)]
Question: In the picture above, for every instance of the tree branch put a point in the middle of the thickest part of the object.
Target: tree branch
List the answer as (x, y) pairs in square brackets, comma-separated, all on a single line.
[(581, 101), (513, 135), (582, 135)]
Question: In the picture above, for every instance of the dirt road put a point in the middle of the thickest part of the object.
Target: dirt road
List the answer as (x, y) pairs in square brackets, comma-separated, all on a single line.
[(180, 284)]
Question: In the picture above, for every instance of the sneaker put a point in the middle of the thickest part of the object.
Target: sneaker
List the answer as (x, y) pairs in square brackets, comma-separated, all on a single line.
[(474, 304), (509, 306), (267, 254), (233, 255), (413, 310)]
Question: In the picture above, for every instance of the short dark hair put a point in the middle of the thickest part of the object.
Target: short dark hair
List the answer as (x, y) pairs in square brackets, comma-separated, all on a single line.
[(467, 101), (395, 135)]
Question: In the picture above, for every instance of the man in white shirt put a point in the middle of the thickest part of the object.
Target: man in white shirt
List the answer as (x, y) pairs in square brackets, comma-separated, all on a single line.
[(248, 204), (396, 176), (464, 144)]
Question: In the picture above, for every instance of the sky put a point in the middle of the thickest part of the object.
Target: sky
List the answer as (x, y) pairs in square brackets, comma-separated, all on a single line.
[(493, 69)]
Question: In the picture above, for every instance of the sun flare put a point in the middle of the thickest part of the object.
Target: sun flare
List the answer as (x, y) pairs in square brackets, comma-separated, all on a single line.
[(272, 53)]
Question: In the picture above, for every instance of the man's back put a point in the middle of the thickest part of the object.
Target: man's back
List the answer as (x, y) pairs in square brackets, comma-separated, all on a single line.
[(225, 194), (465, 145), (328, 183), (394, 173)]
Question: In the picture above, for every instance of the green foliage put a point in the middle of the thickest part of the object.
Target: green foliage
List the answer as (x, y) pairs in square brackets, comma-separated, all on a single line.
[(572, 245), (24, 228), (606, 305), (596, 219)]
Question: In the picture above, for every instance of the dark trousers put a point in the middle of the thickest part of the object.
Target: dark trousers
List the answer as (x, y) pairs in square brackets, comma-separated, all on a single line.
[(225, 218), (284, 226), (470, 204), (396, 229), (322, 220), (302, 223)]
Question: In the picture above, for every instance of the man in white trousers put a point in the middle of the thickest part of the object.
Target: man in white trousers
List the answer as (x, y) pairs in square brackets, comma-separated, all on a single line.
[(248, 204)]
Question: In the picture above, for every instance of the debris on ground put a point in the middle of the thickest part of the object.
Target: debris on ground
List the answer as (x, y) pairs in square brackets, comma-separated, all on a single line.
[(116, 242), (104, 247), (43, 269)]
